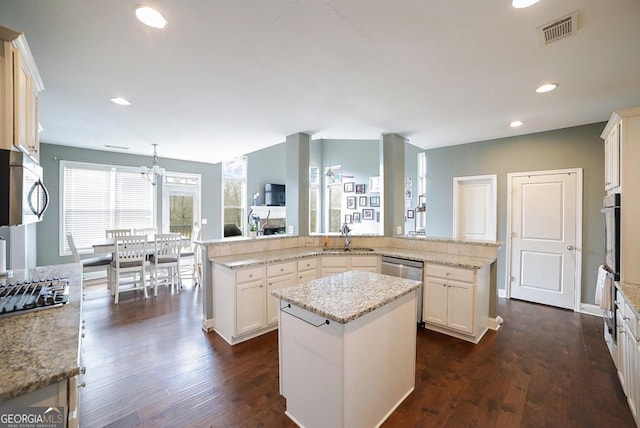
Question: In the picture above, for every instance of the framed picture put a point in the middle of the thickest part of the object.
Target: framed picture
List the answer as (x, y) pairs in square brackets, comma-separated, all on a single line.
[(410, 214), (362, 201), (408, 182), (361, 188), (356, 217), (348, 187), (351, 202), (347, 219), (374, 184), (374, 201), (367, 214), (407, 193)]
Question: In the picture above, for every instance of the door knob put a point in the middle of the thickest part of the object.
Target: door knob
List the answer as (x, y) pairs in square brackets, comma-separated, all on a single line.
[(570, 247)]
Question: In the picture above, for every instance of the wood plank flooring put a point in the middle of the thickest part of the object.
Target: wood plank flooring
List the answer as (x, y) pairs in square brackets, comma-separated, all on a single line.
[(150, 365)]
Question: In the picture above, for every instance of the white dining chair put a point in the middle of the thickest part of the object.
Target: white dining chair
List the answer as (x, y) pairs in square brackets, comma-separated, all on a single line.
[(190, 263), (148, 231), (112, 233), (91, 264), (166, 256), (129, 259)]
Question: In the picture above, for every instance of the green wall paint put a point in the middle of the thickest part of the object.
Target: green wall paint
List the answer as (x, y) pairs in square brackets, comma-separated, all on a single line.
[(577, 147)]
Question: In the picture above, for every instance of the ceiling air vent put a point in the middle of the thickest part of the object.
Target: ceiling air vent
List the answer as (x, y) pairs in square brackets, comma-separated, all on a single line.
[(559, 28)]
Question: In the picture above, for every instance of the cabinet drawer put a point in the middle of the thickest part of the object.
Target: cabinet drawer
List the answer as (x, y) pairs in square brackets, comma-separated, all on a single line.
[(338, 261), (364, 261), (630, 319), (307, 264), (250, 274), (449, 272), (281, 269)]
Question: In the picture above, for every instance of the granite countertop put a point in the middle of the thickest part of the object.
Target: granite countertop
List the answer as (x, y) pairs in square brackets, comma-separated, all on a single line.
[(632, 294), (238, 261), (347, 296), (41, 348)]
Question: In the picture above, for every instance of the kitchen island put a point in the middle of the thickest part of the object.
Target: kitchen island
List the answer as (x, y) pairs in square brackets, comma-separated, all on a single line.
[(347, 347)]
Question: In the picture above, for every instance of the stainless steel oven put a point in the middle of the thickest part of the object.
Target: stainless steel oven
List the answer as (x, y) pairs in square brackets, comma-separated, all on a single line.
[(611, 211)]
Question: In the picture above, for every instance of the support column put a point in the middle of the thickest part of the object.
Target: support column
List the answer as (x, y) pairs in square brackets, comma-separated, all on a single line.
[(392, 176), (297, 182)]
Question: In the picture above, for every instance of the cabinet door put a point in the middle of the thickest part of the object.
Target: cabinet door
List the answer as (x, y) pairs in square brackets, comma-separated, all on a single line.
[(365, 263), (435, 301), (307, 275), (21, 98), (612, 158), (460, 306), (251, 306), (272, 302)]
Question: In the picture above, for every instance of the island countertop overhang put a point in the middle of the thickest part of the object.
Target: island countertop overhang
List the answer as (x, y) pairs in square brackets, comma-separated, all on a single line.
[(347, 296)]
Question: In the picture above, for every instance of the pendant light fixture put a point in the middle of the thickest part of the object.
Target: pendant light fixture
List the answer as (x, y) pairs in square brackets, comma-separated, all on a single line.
[(155, 172)]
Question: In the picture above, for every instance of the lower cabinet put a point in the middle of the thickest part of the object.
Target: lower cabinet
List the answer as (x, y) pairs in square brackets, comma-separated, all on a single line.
[(330, 265), (307, 270), (456, 301), (280, 275), (251, 310), (628, 355)]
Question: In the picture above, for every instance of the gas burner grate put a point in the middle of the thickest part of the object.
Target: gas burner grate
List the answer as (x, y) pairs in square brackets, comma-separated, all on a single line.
[(33, 295)]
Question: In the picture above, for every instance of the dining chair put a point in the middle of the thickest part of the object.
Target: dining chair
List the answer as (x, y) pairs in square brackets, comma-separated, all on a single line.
[(129, 259), (113, 233), (91, 264), (148, 231), (190, 263), (166, 256)]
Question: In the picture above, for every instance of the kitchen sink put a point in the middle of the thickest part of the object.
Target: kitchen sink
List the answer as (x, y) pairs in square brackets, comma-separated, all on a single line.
[(343, 250)]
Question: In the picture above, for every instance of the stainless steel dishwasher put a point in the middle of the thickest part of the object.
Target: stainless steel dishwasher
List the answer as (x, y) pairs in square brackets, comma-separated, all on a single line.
[(409, 269)]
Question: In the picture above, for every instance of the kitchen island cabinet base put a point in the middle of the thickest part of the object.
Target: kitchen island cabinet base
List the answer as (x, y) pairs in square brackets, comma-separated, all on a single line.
[(347, 375)]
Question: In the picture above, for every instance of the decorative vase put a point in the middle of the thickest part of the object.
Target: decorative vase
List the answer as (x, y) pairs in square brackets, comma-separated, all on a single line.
[(253, 234)]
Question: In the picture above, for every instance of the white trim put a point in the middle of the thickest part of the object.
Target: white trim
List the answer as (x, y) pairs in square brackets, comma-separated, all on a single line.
[(186, 188), (578, 224), (502, 293), (493, 178), (495, 323), (589, 309), (207, 324)]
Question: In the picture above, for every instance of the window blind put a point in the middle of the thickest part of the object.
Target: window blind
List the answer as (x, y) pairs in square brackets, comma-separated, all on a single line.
[(97, 197)]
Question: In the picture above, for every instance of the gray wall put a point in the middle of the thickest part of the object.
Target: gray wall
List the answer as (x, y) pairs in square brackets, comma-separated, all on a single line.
[(411, 170), (577, 147), (50, 155), (265, 166)]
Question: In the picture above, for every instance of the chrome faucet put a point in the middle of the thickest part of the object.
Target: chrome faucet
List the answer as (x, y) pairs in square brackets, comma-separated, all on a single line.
[(345, 232)]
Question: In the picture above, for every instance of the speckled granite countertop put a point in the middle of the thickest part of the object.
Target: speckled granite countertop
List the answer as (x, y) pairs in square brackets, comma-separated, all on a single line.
[(238, 261), (347, 296), (631, 293), (41, 348)]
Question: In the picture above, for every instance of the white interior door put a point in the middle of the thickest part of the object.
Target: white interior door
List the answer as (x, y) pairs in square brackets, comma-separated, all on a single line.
[(545, 230), (474, 208)]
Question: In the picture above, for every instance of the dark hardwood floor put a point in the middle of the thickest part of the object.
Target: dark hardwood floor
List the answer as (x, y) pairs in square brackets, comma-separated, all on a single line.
[(149, 364)]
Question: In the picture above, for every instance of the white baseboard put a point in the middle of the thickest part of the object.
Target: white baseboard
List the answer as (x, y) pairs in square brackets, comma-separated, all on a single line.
[(589, 309), (502, 293), (207, 324), (495, 323)]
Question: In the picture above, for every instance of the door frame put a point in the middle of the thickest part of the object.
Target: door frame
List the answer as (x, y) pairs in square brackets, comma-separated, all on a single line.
[(458, 181), (577, 277), (167, 188)]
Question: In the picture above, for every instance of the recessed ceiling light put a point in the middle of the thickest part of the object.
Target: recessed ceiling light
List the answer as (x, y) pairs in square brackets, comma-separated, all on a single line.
[(547, 87), (516, 123), (120, 101), (520, 4), (151, 17)]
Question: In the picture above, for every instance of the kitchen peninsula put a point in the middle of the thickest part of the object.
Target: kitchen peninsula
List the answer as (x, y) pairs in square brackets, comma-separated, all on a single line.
[(333, 371)]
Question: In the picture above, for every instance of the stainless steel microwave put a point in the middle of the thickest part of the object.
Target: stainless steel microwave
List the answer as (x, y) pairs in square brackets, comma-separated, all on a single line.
[(23, 196)]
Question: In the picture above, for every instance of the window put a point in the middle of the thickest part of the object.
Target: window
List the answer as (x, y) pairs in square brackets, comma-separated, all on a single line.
[(333, 178), (234, 189), (314, 199), (97, 197), (421, 220)]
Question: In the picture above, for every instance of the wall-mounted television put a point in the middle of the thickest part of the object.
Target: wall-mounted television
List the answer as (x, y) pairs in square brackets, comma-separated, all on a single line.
[(274, 195)]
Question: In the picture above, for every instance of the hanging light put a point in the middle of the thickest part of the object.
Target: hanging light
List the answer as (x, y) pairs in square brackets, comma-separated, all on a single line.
[(155, 172)]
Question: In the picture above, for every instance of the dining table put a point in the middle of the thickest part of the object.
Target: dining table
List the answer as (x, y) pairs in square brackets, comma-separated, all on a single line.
[(108, 245)]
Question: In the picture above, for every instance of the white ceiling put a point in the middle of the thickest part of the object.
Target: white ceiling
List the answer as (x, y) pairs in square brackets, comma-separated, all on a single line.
[(227, 77)]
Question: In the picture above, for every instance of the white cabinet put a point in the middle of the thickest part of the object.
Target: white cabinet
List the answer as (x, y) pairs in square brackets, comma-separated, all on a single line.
[(278, 276), (628, 357), (307, 270), (330, 265), (250, 300), (20, 86), (456, 301), (622, 157), (612, 158)]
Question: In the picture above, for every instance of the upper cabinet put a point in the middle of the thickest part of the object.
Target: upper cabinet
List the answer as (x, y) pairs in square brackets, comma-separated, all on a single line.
[(612, 158), (20, 86)]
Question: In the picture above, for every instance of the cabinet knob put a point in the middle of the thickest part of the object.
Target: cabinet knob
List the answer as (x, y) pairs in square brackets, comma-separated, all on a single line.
[(261, 285), (281, 269), (82, 385), (83, 370)]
